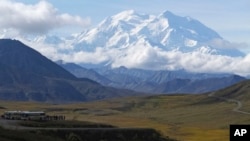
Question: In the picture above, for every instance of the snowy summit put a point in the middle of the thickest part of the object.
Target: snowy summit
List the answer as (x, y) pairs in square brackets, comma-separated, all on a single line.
[(138, 40)]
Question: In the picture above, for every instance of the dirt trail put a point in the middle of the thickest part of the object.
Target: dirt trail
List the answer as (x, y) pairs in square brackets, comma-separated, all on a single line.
[(236, 109)]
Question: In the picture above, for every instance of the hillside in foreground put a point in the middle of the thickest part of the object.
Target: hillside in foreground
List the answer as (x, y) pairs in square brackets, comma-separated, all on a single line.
[(64, 131)]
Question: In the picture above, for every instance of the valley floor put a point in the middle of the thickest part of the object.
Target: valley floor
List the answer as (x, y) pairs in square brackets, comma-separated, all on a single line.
[(182, 117)]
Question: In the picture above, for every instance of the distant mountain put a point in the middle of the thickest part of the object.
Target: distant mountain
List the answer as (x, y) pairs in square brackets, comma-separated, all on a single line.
[(121, 36), (166, 31), (158, 42), (179, 81), (81, 72), (155, 82), (27, 75)]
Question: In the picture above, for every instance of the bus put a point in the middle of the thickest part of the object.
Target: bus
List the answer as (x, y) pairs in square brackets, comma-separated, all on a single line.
[(24, 115), (36, 115)]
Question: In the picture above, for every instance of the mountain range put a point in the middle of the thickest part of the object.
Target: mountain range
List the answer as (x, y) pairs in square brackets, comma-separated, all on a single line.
[(155, 82), (27, 75)]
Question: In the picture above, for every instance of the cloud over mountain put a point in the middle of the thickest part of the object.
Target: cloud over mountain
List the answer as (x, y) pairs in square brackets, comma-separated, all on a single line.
[(36, 19), (159, 42), (153, 58), (133, 40)]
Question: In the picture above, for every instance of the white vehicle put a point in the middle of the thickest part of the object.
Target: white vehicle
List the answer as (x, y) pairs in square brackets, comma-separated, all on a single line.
[(14, 115), (24, 115), (37, 115)]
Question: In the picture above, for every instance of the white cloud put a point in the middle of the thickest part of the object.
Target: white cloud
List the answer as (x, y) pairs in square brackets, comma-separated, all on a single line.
[(146, 57), (156, 59), (139, 56), (38, 18), (96, 57), (153, 58), (49, 51)]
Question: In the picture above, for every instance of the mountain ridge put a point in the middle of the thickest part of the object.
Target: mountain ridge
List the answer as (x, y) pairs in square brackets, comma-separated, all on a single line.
[(155, 82), (29, 76), (11, 50)]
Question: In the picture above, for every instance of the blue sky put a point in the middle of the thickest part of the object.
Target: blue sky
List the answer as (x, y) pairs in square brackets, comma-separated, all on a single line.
[(230, 18)]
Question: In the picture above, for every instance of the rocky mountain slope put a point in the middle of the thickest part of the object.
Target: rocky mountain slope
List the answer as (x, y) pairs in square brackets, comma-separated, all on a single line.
[(26, 75), (155, 81)]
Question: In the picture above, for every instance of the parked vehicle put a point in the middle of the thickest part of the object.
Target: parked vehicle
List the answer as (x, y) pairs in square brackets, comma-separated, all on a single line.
[(30, 115), (24, 115), (27, 115)]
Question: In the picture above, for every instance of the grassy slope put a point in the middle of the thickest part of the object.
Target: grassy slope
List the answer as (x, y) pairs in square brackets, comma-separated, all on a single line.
[(183, 117)]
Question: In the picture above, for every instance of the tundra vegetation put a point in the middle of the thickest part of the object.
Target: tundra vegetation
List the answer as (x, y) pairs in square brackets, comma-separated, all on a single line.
[(182, 117)]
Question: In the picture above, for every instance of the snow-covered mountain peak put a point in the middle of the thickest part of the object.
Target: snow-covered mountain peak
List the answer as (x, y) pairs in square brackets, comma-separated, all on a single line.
[(189, 27), (129, 17), (125, 15), (167, 14), (166, 31), (174, 20), (180, 20)]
